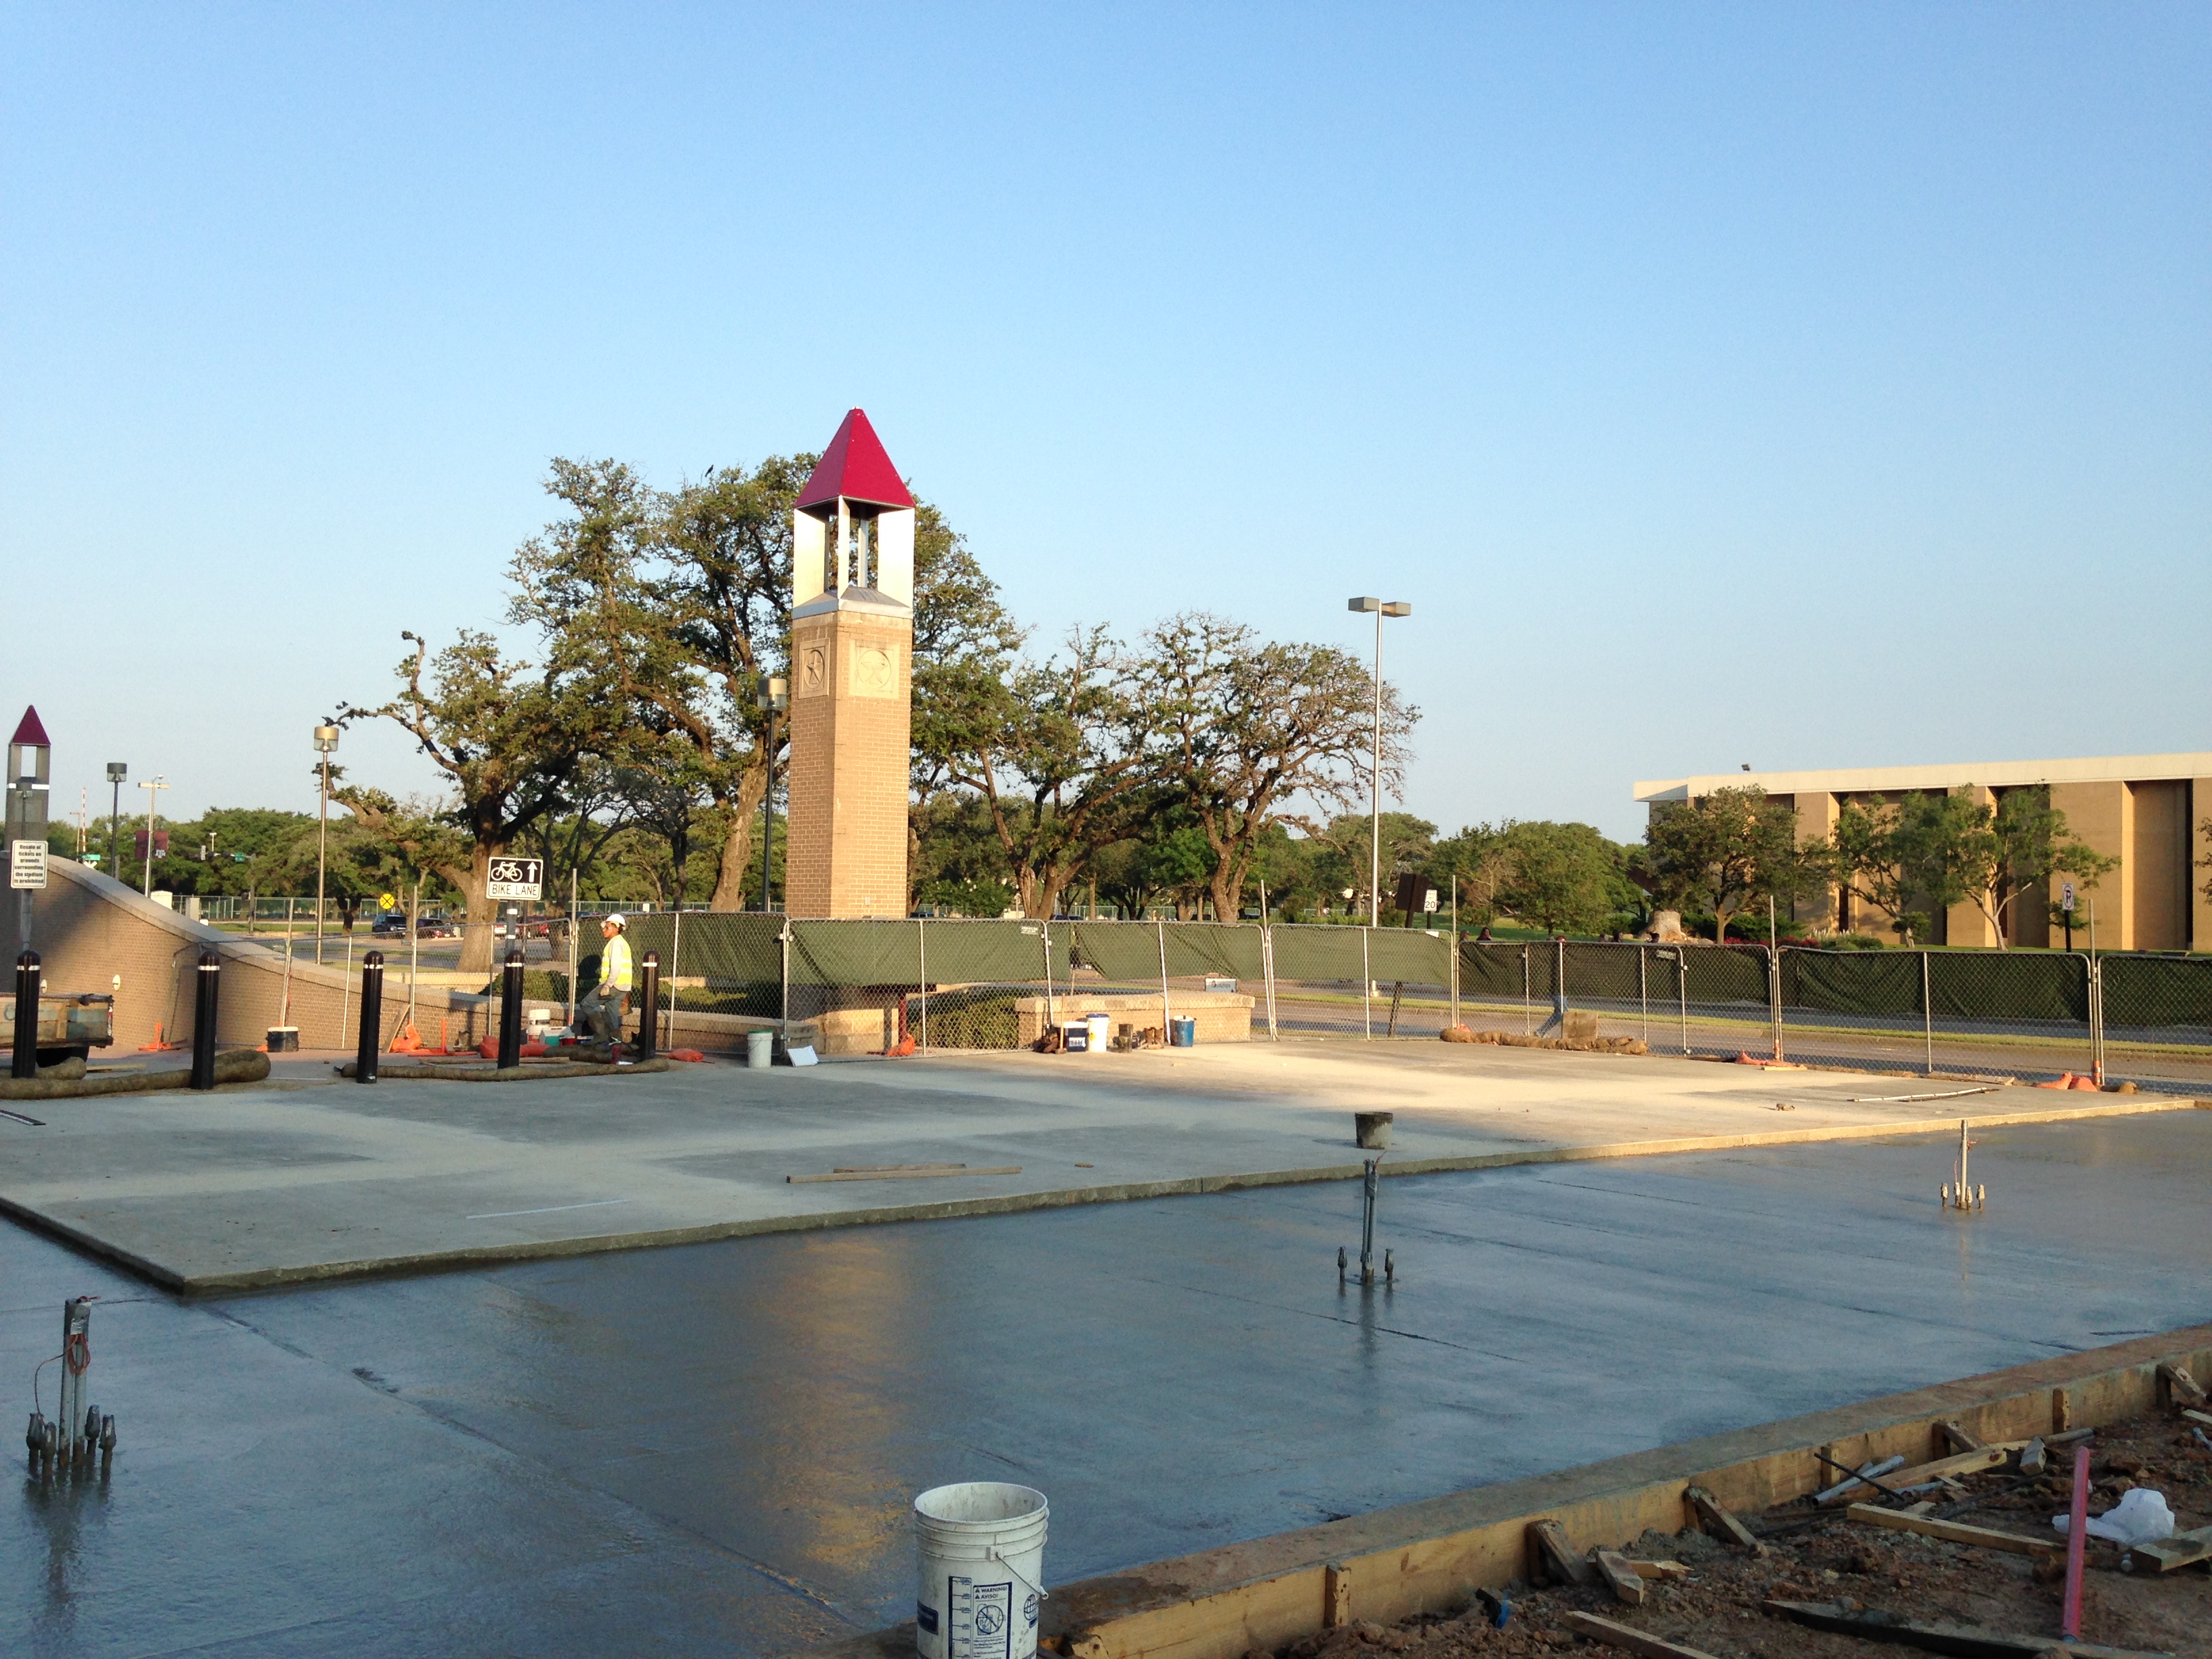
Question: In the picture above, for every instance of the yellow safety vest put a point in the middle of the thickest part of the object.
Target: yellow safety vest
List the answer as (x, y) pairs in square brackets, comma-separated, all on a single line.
[(614, 964)]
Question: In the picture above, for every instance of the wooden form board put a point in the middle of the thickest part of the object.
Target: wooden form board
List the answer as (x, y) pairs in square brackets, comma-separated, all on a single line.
[(1425, 1557)]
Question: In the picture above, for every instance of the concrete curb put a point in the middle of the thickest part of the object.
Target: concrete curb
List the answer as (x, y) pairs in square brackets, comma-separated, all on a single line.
[(1016, 1203)]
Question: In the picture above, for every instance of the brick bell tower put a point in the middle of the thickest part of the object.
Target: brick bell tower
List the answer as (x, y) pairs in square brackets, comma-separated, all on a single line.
[(851, 681)]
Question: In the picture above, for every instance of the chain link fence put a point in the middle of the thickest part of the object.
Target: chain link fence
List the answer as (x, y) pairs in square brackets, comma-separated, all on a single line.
[(869, 986)]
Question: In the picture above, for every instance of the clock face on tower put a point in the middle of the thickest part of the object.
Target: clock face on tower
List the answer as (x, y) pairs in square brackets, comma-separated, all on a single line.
[(813, 672)]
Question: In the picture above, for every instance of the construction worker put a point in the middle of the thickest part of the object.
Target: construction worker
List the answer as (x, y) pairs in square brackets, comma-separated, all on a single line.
[(604, 1006)]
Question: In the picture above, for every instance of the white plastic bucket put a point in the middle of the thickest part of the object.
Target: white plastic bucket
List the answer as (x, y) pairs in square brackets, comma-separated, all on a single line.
[(760, 1049), (1102, 1032), (981, 1549)]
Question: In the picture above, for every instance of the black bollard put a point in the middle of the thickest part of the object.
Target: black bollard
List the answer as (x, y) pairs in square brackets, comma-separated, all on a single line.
[(510, 1010), (372, 1017), (27, 1016), (204, 994), (648, 1005)]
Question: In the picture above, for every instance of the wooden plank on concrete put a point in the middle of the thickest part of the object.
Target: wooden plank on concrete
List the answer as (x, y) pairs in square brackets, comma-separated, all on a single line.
[(1629, 1639), (2181, 1384), (1958, 1532), (1715, 1517), (1957, 1438), (1552, 1557), (1336, 1596), (2183, 1549), (1627, 1583)]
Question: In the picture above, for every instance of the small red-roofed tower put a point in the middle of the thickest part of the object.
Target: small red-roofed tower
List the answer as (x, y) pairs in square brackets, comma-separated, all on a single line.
[(851, 681)]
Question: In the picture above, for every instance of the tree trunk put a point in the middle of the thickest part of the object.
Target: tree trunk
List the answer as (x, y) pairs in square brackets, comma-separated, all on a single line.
[(731, 883), (478, 911)]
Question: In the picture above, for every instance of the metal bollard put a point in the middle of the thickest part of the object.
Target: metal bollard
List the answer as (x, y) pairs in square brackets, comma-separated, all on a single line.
[(648, 1005), (27, 1016), (372, 1017), (206, 990), (510, 1010)]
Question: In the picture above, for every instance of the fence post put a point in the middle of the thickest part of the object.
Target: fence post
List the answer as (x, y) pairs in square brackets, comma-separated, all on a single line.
[(921, 971), (1928, 1012), (1167, 1009), (783, 938), (1559, 986), (1774, 993), (675, 967), (1366, 990), (1454, 953), (1644, 994), (1528, 1006), (2095, 970), (1051, 1019), (1682, 989), (1268, 972)]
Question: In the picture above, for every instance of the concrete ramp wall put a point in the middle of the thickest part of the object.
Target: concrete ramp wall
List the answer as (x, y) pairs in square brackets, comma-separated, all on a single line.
[(94, 934)]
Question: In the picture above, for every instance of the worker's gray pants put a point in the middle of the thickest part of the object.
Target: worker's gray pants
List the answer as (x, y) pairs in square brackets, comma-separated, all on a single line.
[(601, 1012)]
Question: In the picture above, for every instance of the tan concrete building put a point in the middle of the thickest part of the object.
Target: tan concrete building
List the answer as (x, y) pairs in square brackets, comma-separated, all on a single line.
[(2147, 811)]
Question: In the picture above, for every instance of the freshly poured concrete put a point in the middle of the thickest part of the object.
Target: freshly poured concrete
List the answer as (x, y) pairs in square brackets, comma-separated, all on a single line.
[(712, 1448), (305, 1176)]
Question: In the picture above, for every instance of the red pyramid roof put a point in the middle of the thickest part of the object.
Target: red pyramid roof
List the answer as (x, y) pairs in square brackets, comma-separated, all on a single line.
[(30, 731), (855, 467)]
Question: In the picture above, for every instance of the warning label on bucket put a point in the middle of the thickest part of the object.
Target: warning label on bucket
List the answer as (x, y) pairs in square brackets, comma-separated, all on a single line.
[(980, 1620)]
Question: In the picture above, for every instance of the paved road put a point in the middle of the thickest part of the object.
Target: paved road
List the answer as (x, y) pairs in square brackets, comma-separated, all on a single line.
[(711, 1448)]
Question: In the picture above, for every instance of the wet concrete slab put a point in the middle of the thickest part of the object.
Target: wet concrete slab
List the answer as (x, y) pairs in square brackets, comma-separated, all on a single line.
[(713, 1447), (307, 1177)]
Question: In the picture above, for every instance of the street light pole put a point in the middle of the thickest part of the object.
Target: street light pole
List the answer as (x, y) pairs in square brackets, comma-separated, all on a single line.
[(1394, 608), (773, 698), (153, 796), (326, 739), (117, 771)]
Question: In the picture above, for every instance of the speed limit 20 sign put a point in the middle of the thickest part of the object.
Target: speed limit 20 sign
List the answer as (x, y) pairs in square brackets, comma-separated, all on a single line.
[(516, 878)]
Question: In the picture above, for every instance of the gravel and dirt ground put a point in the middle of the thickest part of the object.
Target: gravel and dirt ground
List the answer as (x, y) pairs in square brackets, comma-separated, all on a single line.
[(1822, 1556)]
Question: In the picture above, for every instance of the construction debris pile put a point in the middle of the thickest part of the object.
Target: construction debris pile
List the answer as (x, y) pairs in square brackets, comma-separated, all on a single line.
[(1974, 1566)]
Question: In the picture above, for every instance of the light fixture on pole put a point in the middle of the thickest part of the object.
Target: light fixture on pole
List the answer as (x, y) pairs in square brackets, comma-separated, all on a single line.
[(326, 739), (775, 697), (1394, 608), (153, 797)]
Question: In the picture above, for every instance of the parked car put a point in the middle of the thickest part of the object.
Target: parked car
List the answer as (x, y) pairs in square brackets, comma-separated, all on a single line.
[(435, 926), (388, 923)]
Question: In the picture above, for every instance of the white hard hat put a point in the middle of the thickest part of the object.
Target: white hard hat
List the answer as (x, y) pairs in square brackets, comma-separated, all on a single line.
[(616, 921)]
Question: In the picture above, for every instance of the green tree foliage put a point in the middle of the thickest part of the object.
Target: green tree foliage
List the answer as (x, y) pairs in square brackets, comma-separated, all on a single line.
[(1480, 861), (1566, 878), (1344, 854), (1925, 854), (509, 736), (1724, 852), (1057, 752), (679, 602), (1249, 726)]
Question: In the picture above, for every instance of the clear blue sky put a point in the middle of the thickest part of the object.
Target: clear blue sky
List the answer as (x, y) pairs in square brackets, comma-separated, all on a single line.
[(1804, 386)]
